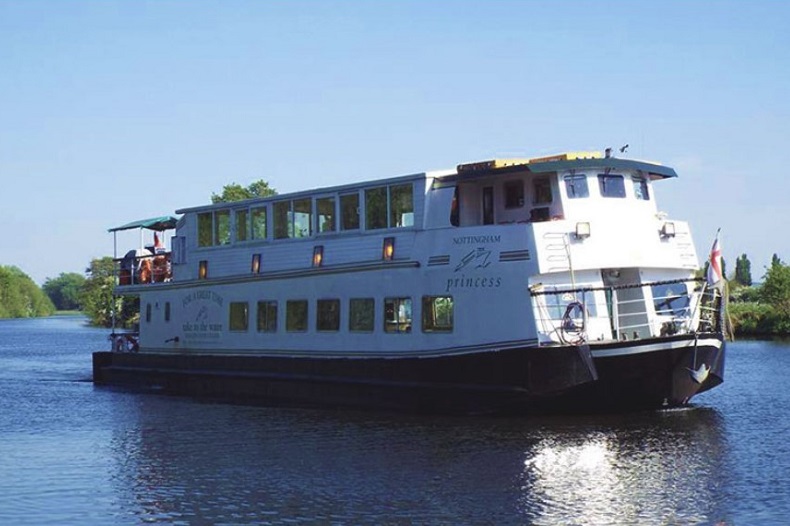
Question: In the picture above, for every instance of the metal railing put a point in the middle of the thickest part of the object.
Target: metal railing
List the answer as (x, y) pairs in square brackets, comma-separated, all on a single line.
[(143, 269), (626, 312)]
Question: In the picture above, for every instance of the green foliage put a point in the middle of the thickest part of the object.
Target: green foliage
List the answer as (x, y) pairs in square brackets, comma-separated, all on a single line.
[(750, 318), (20, 297), (743, 270), (775, 290), (97, 298), (236, 192), (65, 290)]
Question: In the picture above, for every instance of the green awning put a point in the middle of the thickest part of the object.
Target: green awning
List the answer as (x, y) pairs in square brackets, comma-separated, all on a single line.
[(155, 223)]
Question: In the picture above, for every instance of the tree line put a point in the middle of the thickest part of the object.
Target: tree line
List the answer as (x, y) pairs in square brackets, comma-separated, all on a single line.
[(760, 309)]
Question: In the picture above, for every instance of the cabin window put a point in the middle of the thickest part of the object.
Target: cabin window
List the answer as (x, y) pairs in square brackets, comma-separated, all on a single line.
[(640, 189), (267, 316), (397, 315), (148, 313), (302, 218), (167, 311), (282, 212), (222, 227), (325, 210), (349, 211), (239, 316), (242, 225), (205, 229), (293, 218), (328, 315), (361, 315), (576, 186), (514, 194), (437, 313), (214, 228), (258, 222), (611, 185), (376, 208), (671, 300), (541, 191), (296, 315), (401, 206)]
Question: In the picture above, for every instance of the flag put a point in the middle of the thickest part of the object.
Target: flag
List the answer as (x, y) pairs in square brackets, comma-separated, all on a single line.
[(715, 277)]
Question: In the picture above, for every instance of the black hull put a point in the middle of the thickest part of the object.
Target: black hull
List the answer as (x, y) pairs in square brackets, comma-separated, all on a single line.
[(634, 375)]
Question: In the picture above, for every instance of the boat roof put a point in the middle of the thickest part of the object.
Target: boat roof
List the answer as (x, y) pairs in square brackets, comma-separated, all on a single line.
[(155, 223)]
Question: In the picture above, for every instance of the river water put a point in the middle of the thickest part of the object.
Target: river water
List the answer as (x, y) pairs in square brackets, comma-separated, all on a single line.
[(72, 453)]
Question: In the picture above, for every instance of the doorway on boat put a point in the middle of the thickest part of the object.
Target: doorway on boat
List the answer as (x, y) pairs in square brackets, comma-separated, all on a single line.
[(488, 205), (626, 304)]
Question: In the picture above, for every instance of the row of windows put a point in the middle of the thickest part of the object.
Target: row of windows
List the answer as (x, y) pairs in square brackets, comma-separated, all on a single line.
[(437, 315), (514, 193), (609, 185), (389, 206)]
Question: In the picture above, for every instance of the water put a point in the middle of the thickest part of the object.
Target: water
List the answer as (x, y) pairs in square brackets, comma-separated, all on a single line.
[(71, 453)]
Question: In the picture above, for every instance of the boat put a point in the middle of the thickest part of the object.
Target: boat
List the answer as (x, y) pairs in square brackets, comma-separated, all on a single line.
[(502, 286)]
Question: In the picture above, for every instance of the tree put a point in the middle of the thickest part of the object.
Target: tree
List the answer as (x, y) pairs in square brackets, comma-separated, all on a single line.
[(236, 192), (743, 270), (98, 300), (20, 297), (775, 261), (65, 290), (775, 291)]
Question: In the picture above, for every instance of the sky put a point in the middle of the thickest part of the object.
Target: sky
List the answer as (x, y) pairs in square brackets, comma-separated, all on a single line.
[(113, 111)]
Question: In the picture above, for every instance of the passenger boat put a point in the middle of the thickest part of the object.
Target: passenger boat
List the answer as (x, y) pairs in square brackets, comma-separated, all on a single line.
[(502, 286)]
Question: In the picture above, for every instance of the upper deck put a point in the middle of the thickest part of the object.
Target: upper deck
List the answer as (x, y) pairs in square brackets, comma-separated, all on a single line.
[(574, 194)]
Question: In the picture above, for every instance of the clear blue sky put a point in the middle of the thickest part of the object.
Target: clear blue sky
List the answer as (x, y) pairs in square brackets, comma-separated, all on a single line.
[(115, 111)]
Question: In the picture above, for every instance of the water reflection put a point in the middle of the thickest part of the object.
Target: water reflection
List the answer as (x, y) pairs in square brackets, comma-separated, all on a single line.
[(650, 468)]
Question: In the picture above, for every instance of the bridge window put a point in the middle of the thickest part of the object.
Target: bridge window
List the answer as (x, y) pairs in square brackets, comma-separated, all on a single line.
[(214, 228), (376, 208), (401, 206), (542, 191), (514, 194), (389, 207), (640, 189), (611, 185), (671, 299), (576, 186), (437, 314)]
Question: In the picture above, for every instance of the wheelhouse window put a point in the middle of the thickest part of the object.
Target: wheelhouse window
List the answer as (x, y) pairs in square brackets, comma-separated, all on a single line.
[(397, 315), (361, 315), (541, 191), (325, 210), (611, 185), (296, 315), (576, 186), (222, 227), (514, 194), (557, 303), (258, 222), (640, 189), (328, 316), (242, 225), (239, 316), (671, 299), (349, 212), (437, 314), (205, 229), (267, 316)]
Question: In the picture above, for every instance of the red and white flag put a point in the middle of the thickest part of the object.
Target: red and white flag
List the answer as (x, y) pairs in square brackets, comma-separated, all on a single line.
[(715, 276)]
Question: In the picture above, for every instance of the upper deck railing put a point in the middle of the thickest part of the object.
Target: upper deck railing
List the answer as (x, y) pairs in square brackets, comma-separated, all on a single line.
[(143, 269)]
